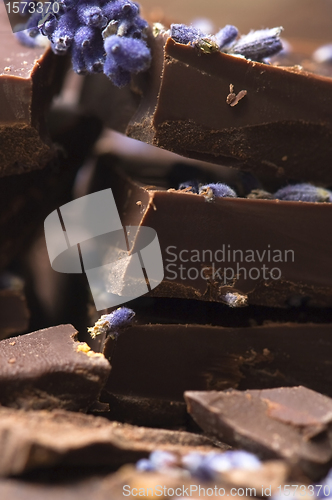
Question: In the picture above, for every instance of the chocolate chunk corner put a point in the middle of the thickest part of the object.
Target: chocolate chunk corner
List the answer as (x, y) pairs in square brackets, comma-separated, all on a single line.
[(293, 423), (49, 369)]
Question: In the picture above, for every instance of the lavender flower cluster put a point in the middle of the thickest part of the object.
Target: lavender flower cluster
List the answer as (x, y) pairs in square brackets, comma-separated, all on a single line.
[(102, 36), (256, 45), (296, 192), (204, 467)]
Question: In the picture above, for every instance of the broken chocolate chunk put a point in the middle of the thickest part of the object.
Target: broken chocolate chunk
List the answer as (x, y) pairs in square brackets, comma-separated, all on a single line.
[(47, 439), (293, 423), (49, 369), (206, 358), (185, 111), (29, 77), (260, 249)]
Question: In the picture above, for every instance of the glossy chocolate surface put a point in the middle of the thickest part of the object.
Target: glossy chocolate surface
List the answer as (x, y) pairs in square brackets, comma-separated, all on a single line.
[(48, 369), (280, 129), (292, 423)]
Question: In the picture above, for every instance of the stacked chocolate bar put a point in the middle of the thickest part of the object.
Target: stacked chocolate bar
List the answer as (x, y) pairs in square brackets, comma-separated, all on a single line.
[(217, 381)]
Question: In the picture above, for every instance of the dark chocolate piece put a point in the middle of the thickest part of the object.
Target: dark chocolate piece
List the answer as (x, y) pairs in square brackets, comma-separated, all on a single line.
[(186, 111), (47, 439), (48, 369), (292, 423), (263, 250), (29, 77), (202, 358)]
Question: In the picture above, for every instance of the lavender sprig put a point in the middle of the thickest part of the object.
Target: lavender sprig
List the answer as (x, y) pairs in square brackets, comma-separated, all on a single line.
[(101, 35), (257, 45), (304, 192)]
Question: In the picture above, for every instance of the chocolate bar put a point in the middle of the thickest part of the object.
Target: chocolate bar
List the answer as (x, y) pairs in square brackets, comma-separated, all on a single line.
[(293, 423), (274, 131), (73, 439), (29, 78), (260, 251), (202, 357), (49, 369)]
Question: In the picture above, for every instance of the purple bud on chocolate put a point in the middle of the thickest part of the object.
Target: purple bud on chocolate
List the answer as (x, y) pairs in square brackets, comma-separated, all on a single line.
[(258, 45), (112, 323), (221, 462), (162, 459), (191, 186), (66, 5), (145, 465), (304, 192), (323, 54), (48, 25), (65, 32), (130, 54), (120, 10), (234, 299), (91, 15), (138, 28), (226, 36), (120, 318), (217, 190), (119, 76), (181, 33)]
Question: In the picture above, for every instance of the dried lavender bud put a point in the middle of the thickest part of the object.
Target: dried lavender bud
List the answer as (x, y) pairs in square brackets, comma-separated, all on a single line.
[(91, 15), (235, 299), (323, 54), (119, 76), (259, 194), (209, 466), (216, 190), (217, 463), (65, 32), (145, 465), (130, 54), (226, 36), (31, 41), (138, 28), (161, 460), (304, 192), (48, 25), (181, 33), (120, 10), (258, 45), (66, 5), (190, 186), (112, 324)]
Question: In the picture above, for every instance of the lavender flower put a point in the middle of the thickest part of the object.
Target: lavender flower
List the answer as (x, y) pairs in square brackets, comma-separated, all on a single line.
[(184, 34), (145, 465), (191, 186), (209, 466), (101, 35), (226, 36), (216, 190), (234, 299), (112, 324), (304, 192), (258, 45)]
